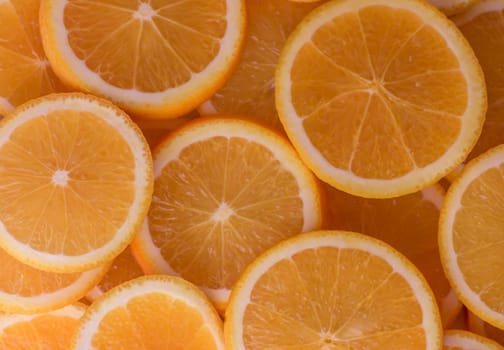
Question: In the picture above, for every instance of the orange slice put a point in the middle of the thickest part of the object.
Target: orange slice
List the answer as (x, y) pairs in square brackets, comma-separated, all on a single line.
[(52, 330), (26, 290), (471, 236), (478, 326), (378, 118), (154, 312), (154, 58), (225, 190), (76, 180), (464, 340), (453, 7), (25, 72), (250, 89), (122, 269), (479, 25), (408, 223), (332, 290)]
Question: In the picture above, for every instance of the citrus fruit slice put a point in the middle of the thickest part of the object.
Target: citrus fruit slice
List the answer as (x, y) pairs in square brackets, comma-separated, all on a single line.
[(76, 180), (151, 312), (225, 190), (408, 223), (464, 340), (26, 290), (52, 330), (478, 326), (332, 289), (250, 89), (25, 72), (471, 236), (122, 269), (479, 25), (153, 58), (378, 118), (452, 7)]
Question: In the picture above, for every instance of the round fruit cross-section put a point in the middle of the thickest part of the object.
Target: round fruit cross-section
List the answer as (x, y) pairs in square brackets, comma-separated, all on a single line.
[(332, 289), (76, 182), (380, 98)]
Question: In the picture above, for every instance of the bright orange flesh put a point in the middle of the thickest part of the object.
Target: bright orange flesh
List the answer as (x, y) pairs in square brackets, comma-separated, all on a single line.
[(139, 46), (489, 48), (250, 89), (155, 59), (377, 119), (152, 312), (225, 190), (219, 260), (79, 176), (39, 281), (477, 209), (36, 217), (40, 291), (479, 236), (471, 235), (50, 331), (54, 332), (311, 293), (24, 69), (408, 223), (379, 286), (153, 321), (414, 111)]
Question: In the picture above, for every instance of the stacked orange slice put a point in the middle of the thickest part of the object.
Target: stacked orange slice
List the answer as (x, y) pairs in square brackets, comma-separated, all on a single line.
[(157, 59), (376, 118)]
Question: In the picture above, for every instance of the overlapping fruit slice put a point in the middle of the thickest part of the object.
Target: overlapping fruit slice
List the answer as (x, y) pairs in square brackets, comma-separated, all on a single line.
[(159, 58), (471, 236), (250, 90), (76, 182), (480, 25), (225, 190), (409, 223), (25, 72), (361, 92), (332, 290), (52, 330), (152, 312)]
